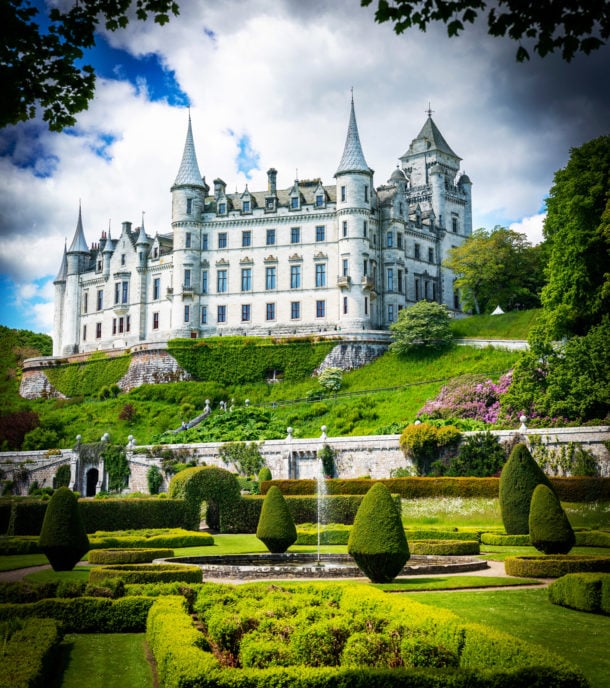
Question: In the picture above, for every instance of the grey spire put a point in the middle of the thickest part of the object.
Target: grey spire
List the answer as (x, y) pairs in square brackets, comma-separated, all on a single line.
[(79, 244), (108, 244), (353, 157), (142, 238), (63, 268), (189, 174), (429, 139)]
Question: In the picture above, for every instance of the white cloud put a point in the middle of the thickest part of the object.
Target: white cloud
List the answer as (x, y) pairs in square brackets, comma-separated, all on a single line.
[(531, 226)]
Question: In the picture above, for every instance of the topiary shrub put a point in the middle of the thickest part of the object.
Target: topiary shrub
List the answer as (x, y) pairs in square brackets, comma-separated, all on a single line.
[(518, 480), (550, 530), (63, 538), (377, 541), (264, 474), (276, 529)]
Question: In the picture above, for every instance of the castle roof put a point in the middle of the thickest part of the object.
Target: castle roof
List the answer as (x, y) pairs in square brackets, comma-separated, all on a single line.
[(63, 268), (429, 139), (353, 158), (79, 243), (189, 174)]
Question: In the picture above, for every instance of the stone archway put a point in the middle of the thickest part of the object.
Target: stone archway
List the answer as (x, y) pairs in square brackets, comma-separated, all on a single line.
[(91, 479)]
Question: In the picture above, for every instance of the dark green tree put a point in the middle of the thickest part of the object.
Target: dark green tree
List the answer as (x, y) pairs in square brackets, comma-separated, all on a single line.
[(425, 324), (480, 455), (63, 538), (245, 456), (519, 478), (577, 230), (377, 541), (276, 529), (40, 54), (569, 27), (550, 530), (154, 478)]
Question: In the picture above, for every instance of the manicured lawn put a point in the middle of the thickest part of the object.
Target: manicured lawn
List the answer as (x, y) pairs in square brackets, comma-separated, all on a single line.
[(105, 660), (581, 638), (79, 574), (21, 561), (452, 583)]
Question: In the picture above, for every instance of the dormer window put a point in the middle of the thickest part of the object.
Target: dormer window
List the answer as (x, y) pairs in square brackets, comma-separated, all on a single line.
[(246, 207), (319, 200), (222, 208), (294, 203), (155, 252)]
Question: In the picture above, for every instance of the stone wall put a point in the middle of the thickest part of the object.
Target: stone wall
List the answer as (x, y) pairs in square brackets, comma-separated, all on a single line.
[(352, 355), (35, 385), (152, 367)]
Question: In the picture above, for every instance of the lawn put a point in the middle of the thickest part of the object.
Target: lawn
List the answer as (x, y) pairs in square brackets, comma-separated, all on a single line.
[(581, 638)]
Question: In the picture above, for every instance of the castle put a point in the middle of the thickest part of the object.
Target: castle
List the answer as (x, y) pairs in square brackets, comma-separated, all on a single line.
[(311, 258)]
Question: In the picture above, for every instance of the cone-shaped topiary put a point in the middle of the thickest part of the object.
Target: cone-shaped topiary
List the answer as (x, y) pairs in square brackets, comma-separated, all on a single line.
[(518, 480), (377, 541), (63, 538), (550, 530), (276, 529)]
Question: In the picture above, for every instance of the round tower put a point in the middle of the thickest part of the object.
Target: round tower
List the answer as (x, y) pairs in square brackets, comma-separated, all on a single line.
[(77, 257)]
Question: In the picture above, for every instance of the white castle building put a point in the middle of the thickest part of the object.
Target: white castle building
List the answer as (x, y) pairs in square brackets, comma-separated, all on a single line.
[(310, 258)]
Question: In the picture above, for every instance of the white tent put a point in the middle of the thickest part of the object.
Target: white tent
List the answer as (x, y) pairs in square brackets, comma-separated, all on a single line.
[(498, 311)]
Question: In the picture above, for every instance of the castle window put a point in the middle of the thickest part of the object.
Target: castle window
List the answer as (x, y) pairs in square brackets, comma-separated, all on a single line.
[(270, 281), (270, 311), (246, 238), (295, 235), (117, 292), (319, 200), (122, 259), (221, 314), (456, 300), (155, 321), (204, 282), (221, 281), (98, 330), (426, 290), (85, 302), (454, 223), (121, 325), (365, 228), (222, 208), (156, 288), (295, 310), (113, 325), (320, 275), (124, 292), (294, 203), (345, 305), (366, 193), (398, 240), (246, 279), (84, 333), (365, 267), (417, 289), (100, 299), (390, 312), (222, 240), (187, 240), (417, 252), (245, 312), (390, 275), (320, 233), (400, 281), (189, 206), (245, 207), (99, 265), (128, 323), (187, 313), (345, 267), (366, 305), (204, 242), (204, 315), (430, 255), (390, 240), (295, 276), (155, 252), (320, 309), (343, 194), (344, 228), (187, 279), (270, 237)]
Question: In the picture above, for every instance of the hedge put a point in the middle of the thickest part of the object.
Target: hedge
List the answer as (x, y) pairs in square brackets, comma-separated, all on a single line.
[(237, 360), (503, 540), (147, 573), (433, 534), (577, 489), (592, 538), (28, 656), (86, 379), (336, 534), (445, 547), (128, 556), (587, 592), (86, 614), (25, 544), (179, 538), (555, 565)]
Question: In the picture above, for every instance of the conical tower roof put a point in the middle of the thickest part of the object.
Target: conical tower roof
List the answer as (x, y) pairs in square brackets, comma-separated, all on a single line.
[(189, 174), (353, 157), (429, 139), (63, 268), (79, 244), (142, 238)]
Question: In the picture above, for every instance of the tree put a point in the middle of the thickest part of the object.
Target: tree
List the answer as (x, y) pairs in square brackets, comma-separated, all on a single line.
[(425, 324), (519, 478), (550, 530), (577, 231), (377, 541), (63, 538), (331, 379), (39, 55), (245, 456), (497, 268), (569, 26), (276, 529)]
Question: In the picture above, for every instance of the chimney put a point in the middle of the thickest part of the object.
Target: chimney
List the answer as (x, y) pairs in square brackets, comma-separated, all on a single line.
[(272, 180)]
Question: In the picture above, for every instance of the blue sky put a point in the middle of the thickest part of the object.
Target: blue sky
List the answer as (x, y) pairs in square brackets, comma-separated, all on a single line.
[(268, 84)]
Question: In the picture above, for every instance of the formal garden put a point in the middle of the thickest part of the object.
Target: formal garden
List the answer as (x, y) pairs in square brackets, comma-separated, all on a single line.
[(128, 600)]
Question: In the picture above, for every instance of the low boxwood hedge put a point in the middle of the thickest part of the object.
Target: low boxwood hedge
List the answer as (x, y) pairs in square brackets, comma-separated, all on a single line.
[(128, 556), (172, 539), (147, 573), (587, 592), (86, 614), (28, 655), (555, 565), (434, 534), (19, 544), (335, 534), (503, 540), (444, 547), (592, 538)]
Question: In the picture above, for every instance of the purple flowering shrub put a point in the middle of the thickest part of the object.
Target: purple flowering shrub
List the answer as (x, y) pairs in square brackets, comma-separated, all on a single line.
[(469, 396)]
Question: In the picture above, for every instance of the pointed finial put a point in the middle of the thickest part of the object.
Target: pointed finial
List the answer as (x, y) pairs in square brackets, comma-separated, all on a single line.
[(429, 111), (352, 90)]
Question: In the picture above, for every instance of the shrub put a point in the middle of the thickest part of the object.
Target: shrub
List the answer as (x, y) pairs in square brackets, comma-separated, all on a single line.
[(276, 529), (423, 443), (327, 456), (377, 541), (28, 655), (62, 477), (245, 456), (501, 540), (425, 324), (555, 565), (550, 530), (264, 474), (519, 478), (128, 556), (63, 538), (587, 592), (320, 643), (364, 649), (147, 573), (154, 478), (419, 652), (480, 455), (445, 547)]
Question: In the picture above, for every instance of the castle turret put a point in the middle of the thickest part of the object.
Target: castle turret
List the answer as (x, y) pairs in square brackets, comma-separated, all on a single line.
[(107, 254), (77, 258), (355, 230), (60, 292)]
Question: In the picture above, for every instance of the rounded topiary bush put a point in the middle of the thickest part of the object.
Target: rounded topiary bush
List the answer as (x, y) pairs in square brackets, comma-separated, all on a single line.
[(377, 541), (128, 556), (276, 529), (550, 530), (264, 474), (518, 480), (63, 538)]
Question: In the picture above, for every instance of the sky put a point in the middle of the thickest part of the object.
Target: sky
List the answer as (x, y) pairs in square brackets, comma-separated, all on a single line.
[(268, 84)]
